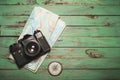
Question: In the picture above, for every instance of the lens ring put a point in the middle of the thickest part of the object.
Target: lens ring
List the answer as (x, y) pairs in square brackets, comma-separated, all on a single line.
[(33, 49)]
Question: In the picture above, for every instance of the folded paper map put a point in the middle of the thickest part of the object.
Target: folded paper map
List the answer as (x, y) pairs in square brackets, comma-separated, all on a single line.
[(51, 26)]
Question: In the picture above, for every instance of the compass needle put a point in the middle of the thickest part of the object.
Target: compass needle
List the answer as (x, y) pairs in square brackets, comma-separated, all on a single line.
[(55, 68)]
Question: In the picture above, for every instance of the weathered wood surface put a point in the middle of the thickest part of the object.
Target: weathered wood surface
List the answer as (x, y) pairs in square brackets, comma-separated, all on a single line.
[(75, 58), (23, 10), (86, 31), (66, 74), (60, 2), (91, 24), (75, 41), (88, 20)]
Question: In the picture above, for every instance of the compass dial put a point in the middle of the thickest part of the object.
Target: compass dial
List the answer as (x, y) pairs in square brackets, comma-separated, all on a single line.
[(55, 68)]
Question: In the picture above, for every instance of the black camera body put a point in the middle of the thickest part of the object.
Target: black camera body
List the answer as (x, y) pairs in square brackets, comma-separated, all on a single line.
[(29, 48)]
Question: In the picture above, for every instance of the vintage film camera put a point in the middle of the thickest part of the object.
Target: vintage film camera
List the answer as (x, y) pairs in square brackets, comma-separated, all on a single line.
[(29, 48)]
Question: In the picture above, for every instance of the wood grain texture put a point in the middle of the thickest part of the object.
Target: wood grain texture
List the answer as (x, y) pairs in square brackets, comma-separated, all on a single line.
[(73, 41), (88, 20), (60, 2), (66, 74), (91, 24), (20, 10), (17, 2), (79, 31), (79, 2), (73, 58)]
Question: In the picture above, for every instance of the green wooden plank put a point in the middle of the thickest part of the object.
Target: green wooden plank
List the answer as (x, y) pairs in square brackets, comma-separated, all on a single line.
[(91, 31), (73, 58), (79, 2), (17, 2), (69, 20), (6, 64), (69, 31), (74, 41), (78, 63), (66, 75), (61, 10), (60, 2), (0, 29), (16, 9), (13, 20), (82, 61), (92, 20), (74, 53), (98, 41), (11, 30)]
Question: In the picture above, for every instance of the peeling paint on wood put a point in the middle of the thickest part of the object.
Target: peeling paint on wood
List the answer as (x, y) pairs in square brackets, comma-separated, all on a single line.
[(17, 2), (92, 53), (91, 24), (92, 16), (79, 2), (22, 22), (107, 24), (66, 10)]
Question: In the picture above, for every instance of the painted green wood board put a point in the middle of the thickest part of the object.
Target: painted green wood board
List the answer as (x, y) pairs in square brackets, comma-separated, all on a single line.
[(79, 2), (66, 75), (17, 2), (79, 31), (61, 10), (74, 41), (91, 24), (88, 20), (71, 58), (54, 2)]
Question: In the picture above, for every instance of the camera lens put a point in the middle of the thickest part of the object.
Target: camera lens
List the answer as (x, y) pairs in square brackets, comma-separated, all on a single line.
[(32, 48)]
